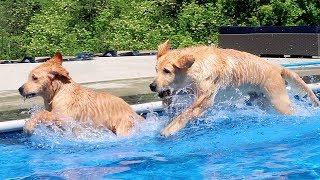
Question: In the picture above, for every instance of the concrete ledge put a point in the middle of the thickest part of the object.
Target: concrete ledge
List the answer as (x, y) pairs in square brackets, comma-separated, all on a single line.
[(12, 76)]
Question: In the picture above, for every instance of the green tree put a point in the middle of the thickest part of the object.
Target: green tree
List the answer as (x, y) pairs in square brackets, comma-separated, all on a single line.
[(50, 30), (15, 16), (310, 12), (281, 13), (199, 24), (240, 12), (40, 28), (131, 25)]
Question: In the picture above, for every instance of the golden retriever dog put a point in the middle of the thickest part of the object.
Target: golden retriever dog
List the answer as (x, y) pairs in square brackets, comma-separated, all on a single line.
[(64, 98), (206, 70)]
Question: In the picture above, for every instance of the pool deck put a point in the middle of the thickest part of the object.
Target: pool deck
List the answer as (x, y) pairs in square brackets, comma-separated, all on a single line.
[(121, 76)]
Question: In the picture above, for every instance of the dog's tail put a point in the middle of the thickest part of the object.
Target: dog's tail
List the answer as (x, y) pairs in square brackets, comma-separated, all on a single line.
[(294, 79)]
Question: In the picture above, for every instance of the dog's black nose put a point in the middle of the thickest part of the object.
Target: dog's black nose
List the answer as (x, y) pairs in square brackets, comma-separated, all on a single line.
[(153, 87), (21, 90)]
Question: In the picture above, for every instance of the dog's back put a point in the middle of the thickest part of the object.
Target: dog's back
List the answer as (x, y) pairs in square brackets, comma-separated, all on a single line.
[(101, 108), (232, 67), (247, 68)]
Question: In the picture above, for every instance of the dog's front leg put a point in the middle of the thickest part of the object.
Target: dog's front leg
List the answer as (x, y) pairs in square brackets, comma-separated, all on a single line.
[(197, 109), (40, 117)]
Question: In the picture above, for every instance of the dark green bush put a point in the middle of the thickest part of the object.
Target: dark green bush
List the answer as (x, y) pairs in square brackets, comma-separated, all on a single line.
[(38, 28)]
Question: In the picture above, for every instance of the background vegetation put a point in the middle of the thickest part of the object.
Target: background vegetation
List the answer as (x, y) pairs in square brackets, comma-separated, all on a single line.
[(41, 27)]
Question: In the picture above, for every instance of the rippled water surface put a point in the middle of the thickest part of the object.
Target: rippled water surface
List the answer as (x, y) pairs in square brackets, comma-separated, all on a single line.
[(232, 141)]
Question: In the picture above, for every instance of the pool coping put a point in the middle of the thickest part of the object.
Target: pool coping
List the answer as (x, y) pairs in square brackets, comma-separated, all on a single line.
[(17, 125)]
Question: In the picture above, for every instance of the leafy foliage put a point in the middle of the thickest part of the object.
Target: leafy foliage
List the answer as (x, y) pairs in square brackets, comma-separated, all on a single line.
[(15, 16), (41, 27)]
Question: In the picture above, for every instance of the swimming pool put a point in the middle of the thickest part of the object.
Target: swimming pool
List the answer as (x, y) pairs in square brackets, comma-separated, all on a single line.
[(232, 141)]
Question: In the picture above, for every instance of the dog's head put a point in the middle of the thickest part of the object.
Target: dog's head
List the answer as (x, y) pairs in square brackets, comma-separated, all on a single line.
[(41, 79), (171, 69)]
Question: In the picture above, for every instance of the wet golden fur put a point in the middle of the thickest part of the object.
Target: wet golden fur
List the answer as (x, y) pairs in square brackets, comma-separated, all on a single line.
[(205, 70), (64, 98)]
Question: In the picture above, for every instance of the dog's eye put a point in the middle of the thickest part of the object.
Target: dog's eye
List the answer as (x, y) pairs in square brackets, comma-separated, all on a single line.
[(167, 71), (34, 78)]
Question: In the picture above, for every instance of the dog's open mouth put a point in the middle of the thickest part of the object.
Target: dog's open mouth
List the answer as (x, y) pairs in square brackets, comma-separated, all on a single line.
[(165, 93), (27, 96)]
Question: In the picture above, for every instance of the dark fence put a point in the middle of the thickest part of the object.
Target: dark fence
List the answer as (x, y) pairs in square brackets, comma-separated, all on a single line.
[(272, 40)]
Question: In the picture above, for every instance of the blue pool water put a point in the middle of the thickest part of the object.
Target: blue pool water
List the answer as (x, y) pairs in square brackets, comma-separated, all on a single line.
[(229, 142)]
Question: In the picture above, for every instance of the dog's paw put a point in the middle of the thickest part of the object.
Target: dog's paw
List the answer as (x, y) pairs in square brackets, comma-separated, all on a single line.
[(165, 133), (29, 127), (168, 131), (173, 127)]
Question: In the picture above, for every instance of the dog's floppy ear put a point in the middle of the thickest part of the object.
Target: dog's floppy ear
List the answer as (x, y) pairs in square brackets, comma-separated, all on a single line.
[(59, 73), (163, 48), (57, 58), (184, 62)]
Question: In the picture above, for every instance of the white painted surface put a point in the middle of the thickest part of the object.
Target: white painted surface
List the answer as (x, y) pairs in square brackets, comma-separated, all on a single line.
[(12, 76)]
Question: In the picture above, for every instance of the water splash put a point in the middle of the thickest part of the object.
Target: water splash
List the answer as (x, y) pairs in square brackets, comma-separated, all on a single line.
[(232, 112)]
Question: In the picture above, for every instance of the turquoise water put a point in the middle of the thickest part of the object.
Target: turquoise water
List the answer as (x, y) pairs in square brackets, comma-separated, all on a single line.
[(232, 141)]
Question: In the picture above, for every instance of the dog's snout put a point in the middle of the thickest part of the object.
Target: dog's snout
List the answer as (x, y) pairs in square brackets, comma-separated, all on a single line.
[(21, 89), (164, 93), (153, 87)]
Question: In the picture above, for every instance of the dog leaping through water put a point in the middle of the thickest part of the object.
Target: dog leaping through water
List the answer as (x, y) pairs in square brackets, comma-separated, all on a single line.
[(208, 69)]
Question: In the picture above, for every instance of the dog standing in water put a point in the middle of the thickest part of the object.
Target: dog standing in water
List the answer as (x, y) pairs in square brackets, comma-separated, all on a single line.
[(206, 70), (64, 98)]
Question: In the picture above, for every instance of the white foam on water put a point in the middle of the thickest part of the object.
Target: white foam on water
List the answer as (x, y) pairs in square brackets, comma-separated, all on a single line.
[(53, 135)]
